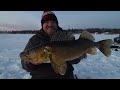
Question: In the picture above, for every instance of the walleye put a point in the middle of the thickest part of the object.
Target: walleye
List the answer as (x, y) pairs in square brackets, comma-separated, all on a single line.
[(58, 52)]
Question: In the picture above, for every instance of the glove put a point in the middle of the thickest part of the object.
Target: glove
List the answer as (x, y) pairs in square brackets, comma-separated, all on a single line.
[(76, 61), (83, 56)]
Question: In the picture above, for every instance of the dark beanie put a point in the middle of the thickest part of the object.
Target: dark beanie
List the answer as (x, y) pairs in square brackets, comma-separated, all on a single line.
[(48, 15)]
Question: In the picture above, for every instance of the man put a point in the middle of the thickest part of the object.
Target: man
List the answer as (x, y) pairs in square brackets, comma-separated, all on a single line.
[(50, 26)]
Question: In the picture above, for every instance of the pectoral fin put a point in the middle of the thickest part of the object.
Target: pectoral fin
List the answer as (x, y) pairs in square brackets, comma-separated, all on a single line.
[(58, 67)]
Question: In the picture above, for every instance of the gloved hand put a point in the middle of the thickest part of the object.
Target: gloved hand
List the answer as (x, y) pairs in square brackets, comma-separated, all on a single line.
[(83, 56), (76, 61)]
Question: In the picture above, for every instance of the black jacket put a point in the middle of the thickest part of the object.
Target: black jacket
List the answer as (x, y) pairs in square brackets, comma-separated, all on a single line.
[(45, 71)]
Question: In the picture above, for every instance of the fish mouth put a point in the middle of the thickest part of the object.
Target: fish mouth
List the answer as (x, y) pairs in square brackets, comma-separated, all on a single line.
[(24, 56)]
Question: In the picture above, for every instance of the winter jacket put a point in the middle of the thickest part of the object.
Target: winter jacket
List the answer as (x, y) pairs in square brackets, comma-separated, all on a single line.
[(45, 70)]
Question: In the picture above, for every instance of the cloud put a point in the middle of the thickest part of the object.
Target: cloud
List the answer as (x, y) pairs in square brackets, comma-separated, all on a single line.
[(19, 20)]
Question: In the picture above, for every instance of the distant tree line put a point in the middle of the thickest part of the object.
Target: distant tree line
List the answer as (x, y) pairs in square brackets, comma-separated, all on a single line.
[(91, 30), (19, 32)]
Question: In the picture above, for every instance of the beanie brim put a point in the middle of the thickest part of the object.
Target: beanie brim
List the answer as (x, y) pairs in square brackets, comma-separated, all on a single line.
[(49, 17)]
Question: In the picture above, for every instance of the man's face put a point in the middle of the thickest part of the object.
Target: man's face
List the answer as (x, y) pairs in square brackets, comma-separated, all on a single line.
[(50, 27)]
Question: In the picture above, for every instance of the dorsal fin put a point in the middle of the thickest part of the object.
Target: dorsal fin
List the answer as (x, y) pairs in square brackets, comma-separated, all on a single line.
[(87, 35), (62, 36)]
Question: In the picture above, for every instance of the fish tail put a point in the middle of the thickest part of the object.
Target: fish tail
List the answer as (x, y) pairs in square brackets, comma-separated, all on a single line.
[(104, 47)]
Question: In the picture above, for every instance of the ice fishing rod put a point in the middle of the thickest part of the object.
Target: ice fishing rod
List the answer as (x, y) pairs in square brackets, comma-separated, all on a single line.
[(115, 46)]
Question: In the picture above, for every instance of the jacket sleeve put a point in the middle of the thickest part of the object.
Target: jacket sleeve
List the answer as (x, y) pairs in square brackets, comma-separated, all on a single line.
[(33, 41)]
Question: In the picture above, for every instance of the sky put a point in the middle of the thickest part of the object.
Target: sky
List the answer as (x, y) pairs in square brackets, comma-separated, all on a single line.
[(31, 20), (93, 67)]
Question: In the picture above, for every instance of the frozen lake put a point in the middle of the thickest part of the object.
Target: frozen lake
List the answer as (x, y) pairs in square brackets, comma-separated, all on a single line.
[(93, 67)]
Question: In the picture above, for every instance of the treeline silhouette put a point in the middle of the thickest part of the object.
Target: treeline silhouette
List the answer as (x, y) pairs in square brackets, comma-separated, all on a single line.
[(91, 30)]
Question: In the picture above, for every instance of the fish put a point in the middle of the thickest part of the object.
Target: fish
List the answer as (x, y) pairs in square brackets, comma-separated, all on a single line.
[(59, 52)]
